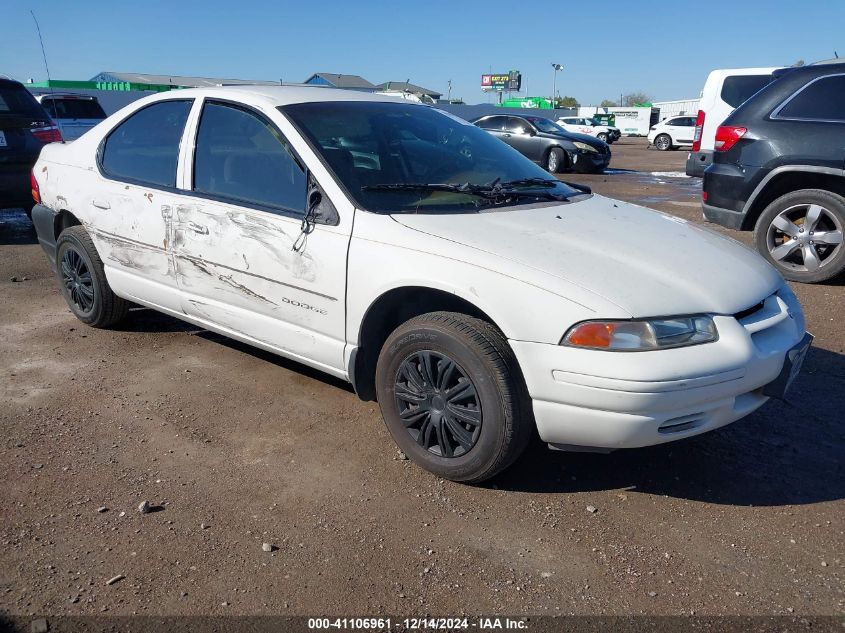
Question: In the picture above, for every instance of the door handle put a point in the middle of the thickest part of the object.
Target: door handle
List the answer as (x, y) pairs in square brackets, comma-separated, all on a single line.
[(101, 204), (198, 228)]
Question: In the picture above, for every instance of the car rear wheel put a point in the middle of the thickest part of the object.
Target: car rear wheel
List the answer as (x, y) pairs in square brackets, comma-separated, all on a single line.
[(83, 280), (453, 397), (663, 142), (555, 160), (801, 233)]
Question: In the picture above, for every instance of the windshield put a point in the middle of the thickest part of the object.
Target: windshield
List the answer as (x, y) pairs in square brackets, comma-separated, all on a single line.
[(384, 152), (544, 125), (595, 122)]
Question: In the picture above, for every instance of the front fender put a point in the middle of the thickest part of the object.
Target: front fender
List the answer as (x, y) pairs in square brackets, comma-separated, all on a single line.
[(519, 301)]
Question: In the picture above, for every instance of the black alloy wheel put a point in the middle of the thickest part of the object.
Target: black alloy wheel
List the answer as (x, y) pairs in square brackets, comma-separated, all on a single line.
[(77, 280), (82, 280), (438, 403), (453, 397)]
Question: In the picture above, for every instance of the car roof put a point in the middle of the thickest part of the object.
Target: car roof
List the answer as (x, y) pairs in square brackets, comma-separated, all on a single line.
[(10, 83), (282, 95)]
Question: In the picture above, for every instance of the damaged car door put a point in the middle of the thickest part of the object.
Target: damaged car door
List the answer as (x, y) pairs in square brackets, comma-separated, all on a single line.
[(133, 201), (249, 256)]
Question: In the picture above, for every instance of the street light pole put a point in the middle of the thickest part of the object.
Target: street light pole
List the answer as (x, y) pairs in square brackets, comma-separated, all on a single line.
[(556, 68)]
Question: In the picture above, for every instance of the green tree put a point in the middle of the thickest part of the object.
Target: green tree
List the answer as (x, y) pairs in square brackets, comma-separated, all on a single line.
[(635, 97), (800, 62), (608, 103), (566, 102)]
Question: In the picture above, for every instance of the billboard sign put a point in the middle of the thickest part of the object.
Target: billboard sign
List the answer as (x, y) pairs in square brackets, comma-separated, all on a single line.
[(503, 81)]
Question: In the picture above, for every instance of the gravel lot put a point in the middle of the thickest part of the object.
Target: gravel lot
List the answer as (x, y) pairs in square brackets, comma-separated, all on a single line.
[(234, 448)]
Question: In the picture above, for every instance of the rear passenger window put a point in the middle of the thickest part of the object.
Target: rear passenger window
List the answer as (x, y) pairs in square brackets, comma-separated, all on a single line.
[(823, 99), (145, 147), (242, 157), (737, 89)]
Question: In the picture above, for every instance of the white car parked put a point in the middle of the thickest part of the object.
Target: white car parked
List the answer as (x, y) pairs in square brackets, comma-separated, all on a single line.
[(431, 265), (672, 133), (584, 125)]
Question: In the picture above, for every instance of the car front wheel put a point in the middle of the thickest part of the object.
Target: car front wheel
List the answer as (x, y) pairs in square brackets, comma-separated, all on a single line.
[(83, 281), (801, 233), (663, 142), (602, 137), (453, 397), (555, 161)]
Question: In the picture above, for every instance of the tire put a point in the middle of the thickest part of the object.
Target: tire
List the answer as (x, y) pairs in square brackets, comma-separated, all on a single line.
[(603, 137), (783, 237), (555, 160), (83, 281), (462, 352), (663, 142)]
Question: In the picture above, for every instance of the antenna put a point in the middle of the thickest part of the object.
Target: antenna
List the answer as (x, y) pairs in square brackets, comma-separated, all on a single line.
[(46, 67)]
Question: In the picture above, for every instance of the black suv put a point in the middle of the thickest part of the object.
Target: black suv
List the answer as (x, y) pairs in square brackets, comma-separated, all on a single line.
[(779, 170), (24, 129)]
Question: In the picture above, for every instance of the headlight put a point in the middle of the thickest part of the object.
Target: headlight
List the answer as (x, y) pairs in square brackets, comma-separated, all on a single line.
[(584, 147), (641, 335)]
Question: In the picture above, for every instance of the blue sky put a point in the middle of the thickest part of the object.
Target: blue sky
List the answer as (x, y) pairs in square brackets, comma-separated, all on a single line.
[(607, 47)]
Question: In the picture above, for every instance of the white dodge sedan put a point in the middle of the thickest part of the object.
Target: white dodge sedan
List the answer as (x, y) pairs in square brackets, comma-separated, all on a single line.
[(474, 296)]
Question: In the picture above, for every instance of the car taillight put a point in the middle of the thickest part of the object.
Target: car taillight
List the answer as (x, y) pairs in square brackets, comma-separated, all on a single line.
[(47, 134), (699, 128), (727, 136), (36, 192)]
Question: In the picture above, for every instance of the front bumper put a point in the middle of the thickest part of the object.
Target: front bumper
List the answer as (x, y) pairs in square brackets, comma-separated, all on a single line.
[(589, 161), (610, 400)]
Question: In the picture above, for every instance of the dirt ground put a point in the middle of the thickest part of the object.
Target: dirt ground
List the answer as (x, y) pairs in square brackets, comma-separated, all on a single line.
[(234, 448)]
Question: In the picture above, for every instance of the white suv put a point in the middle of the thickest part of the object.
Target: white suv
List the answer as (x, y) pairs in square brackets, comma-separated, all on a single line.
[(398, 247), (672, 133), (584, 125)]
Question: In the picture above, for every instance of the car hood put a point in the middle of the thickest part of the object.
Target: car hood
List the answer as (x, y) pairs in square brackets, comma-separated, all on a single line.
[(574, 136), (646, 262)]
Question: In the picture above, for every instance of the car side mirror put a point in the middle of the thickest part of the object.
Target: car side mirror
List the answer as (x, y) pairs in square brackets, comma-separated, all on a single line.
[(320, 208)]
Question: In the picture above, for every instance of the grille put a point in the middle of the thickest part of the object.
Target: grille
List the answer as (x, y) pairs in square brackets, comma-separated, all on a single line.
[(749, 311)]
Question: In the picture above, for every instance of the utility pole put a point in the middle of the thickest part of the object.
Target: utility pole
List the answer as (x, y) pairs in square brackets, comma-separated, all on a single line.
[(556, 68), (449, 94)]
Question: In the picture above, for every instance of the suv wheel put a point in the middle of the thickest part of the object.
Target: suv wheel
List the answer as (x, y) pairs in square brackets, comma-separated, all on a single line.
[(801, 233), (602, 137), (83, 280), (453, 397), (663, 142)]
